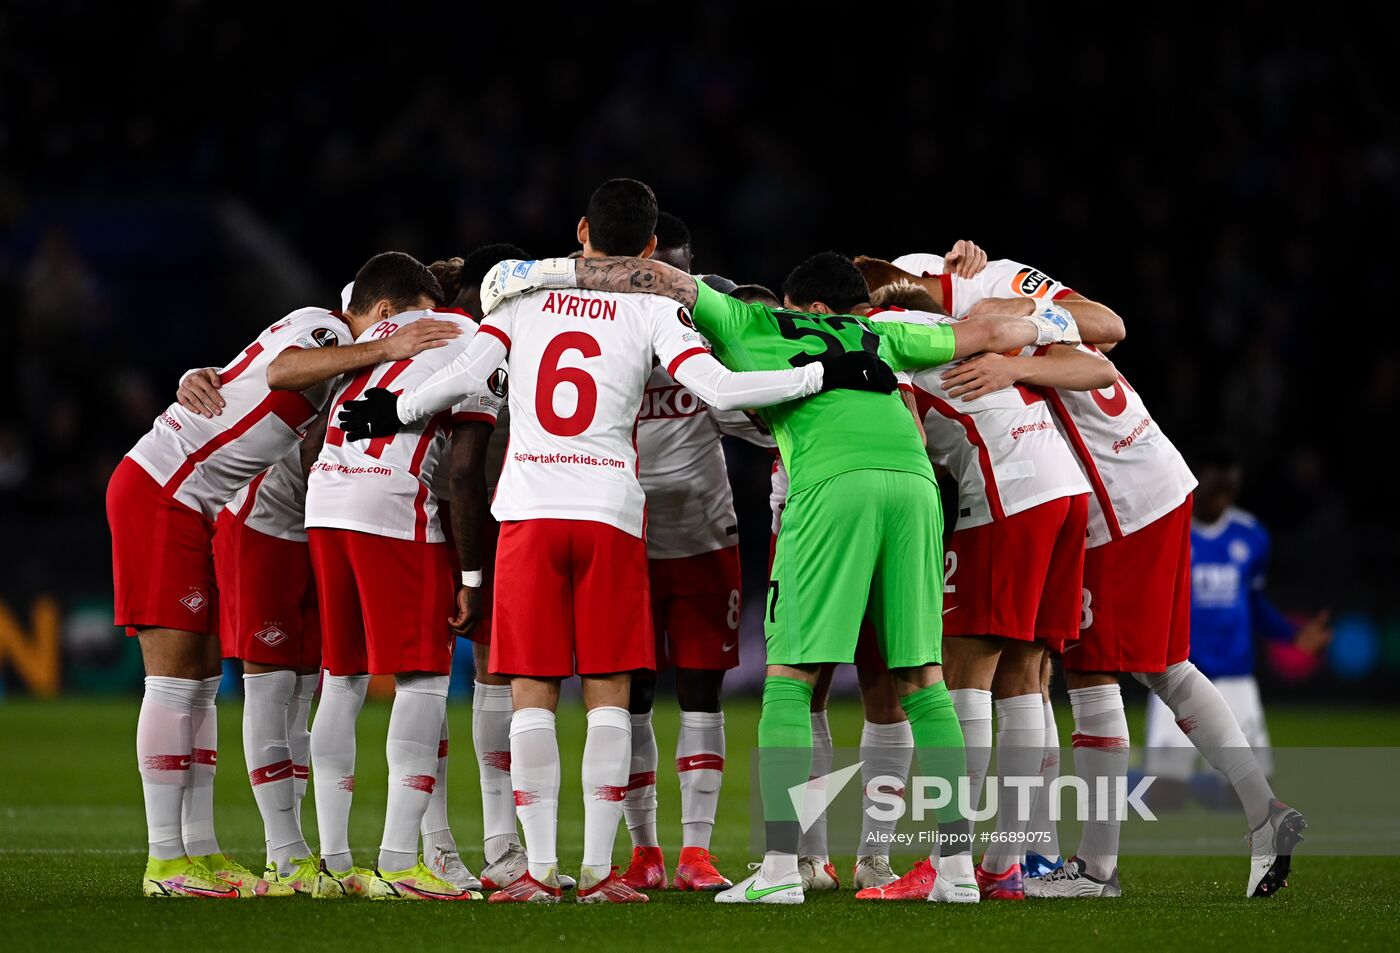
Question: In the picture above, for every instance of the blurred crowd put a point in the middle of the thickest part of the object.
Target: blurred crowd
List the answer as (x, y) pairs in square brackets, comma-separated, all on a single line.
[(1231, 191)]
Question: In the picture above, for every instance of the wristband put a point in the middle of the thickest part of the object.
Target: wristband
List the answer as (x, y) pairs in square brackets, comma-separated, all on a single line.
[(472, 580)]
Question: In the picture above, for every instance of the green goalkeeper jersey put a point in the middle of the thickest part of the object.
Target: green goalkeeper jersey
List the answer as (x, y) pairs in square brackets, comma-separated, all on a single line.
[(838, 430)]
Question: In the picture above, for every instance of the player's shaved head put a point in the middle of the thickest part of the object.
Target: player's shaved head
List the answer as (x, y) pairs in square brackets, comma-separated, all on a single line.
[(474, 268), (393, 276), (828, 278), (903, 294), (621, 218), (756, 294), (672, 242)]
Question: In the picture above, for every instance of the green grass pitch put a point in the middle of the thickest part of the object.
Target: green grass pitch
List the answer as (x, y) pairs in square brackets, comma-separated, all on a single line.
[(71, 852)]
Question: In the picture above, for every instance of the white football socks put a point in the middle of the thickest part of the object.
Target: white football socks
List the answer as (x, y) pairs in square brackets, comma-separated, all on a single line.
[(270, 768), (197, 817), (812, 842), (163, 757), (415, 731), (1100, 751), (639, 805), (333, 757), (700, 766), (299, 734), (974, 708), (491, 714), (1206, 719), (1020, 746), (1043, 829), (885, 751), (606, 755), (534, 778), (437, 831)]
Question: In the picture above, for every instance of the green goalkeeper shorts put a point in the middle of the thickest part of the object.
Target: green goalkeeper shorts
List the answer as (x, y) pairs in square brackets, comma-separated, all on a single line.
[(864, 540)]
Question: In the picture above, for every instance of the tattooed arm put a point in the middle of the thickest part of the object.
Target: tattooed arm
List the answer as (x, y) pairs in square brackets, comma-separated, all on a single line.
[(637, 276), (510, 279)]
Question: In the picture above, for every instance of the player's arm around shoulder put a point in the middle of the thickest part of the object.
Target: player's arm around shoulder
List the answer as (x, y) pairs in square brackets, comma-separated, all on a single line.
[(1048, 323), (511, 279), (1057, 365), (1098, 324), (913, 339), (324, 353), (685, 354)]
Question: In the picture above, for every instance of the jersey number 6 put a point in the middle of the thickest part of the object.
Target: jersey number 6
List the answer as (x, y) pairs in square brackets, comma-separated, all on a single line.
[(551, 375)]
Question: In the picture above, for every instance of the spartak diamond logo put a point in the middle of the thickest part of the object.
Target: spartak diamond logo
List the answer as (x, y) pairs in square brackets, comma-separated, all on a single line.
[(194, 601), (271, 636)]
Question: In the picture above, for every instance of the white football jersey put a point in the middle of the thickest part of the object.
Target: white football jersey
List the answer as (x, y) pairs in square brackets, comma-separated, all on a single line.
[(1137, 474), (1003, 448), (579, 363), (1000, 279), (690, 507), (274, 504), (384, 485), (204, 461)]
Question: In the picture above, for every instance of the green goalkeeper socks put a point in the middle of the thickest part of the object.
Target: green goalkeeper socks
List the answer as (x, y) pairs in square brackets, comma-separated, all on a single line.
[(784, 756), (938, 741)]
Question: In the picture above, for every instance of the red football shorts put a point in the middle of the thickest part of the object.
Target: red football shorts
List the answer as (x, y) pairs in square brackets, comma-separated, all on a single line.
[(571, 599), (481, 635), (162, 557), (695, 610), (1136, 610), (267, 598), (1020, 577), (384, 603)]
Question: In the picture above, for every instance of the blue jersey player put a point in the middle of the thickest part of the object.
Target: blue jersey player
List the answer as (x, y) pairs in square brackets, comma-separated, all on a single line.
[(1229, 611)]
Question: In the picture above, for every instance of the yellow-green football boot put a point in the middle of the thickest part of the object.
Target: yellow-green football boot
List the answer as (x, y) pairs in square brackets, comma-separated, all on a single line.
[(301, 878), (415, 883), (339, 885), (183, 877), (248, 883)]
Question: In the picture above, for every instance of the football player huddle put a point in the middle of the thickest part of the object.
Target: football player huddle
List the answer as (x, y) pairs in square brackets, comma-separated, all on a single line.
[(321, 509)]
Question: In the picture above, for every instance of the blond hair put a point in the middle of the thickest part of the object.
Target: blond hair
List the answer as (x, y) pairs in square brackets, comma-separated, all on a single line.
[(903, 294)]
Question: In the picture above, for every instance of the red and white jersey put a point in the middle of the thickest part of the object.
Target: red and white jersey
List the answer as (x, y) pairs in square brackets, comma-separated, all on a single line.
[(690, 507), (384, 485), (274, 504), (1137, 474), (204, 461), (1000, 279), (579, 364), (1004, 448)]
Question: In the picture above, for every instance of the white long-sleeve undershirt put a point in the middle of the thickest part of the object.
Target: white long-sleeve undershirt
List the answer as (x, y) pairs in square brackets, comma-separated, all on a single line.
[(710, 380)]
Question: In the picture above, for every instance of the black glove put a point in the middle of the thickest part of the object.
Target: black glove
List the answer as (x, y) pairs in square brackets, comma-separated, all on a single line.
[(376, 414), (856, 370)]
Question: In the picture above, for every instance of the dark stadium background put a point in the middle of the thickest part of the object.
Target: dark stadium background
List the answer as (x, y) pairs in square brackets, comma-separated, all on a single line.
[(175, 176)]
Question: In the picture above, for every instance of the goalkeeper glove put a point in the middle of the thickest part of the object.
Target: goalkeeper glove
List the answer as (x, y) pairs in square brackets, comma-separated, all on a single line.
[(1054, 325), (512, 278)]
